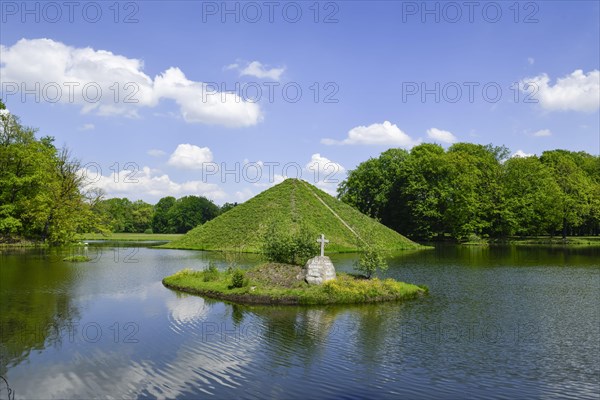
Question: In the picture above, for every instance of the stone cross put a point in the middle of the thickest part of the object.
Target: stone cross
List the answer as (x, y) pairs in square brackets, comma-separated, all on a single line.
[(322, 240)]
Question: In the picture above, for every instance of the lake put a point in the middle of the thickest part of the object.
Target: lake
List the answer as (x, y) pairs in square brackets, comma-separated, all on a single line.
[(499, 322)]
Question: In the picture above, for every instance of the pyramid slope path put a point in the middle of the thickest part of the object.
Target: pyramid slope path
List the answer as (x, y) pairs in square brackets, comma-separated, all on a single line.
[(291, 204)]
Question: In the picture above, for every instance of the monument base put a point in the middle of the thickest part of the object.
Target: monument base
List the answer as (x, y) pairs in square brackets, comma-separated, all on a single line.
[(318, 270)]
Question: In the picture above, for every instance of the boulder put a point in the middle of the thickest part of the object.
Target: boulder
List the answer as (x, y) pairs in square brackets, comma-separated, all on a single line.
[(318, 270)]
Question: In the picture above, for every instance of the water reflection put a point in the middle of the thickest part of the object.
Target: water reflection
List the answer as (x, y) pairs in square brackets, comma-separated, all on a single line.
[(36, 307), (498, 323)]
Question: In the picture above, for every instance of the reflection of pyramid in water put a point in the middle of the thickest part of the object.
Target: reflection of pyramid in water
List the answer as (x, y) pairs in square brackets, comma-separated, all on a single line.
[(291, 204)]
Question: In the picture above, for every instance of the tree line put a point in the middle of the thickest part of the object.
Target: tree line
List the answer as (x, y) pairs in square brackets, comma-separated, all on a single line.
[(44, 197), (472, 191), (169, 215)]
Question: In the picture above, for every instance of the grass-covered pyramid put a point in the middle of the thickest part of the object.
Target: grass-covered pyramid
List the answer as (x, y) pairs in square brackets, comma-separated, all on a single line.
[(291, 204)]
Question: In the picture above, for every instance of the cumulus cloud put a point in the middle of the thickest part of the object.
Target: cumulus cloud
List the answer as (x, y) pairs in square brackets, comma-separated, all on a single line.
[(189, 156), (324, 173), (110, 84), (387, 134), (149, 184), (258, 70), (441, 136), (575, 92), (522, 154), (201, 103), (542, 132), (323, 166)]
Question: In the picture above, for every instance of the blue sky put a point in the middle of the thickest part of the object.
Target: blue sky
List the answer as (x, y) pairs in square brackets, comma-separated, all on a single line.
[(373, 75)]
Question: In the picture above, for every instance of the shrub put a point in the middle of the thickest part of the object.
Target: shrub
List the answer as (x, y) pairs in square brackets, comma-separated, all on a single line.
[(289, 248), (148, 231), (238, 279), (370, 261), (211, 274)]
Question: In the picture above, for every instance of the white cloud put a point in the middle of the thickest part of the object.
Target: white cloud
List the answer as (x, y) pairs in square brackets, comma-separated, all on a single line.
[(87, 127), (149, 185), (258, 70), (110, 84), (387, 134), (201, 103), (323, 166), (575, 92), (189, 156), (542, 132), (73, 75), (522, 154), (184, 309), (324, 173), (156, 153), (441, 136)]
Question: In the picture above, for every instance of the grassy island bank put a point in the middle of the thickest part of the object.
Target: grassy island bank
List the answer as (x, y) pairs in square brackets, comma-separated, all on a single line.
[(274, 283)]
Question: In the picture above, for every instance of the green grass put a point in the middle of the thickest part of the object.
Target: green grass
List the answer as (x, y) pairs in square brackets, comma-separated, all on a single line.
[(78, 258), (547, 240), (278, 284), (138, 237), (291, 204)]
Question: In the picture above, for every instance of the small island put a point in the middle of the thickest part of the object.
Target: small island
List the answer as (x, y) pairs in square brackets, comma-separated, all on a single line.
[(285, 283), (272, 283)]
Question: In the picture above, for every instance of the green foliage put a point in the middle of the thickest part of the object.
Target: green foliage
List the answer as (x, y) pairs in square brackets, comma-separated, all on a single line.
[(370, 261), (182, 215), (43, 195), (292, 204), (470, 189), (238, 278), (282, 246), (258, 287), (211, 273), (227, 206), (160, 220), (168, 216), (130, 237), (191, 211), (578, 194)]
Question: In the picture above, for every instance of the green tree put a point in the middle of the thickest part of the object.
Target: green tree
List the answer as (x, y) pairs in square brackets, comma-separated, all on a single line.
[(577, 195), (370, 261), (160, 220), (368, 187), (226, 207), (141, 216), (422, 191), (119, 213), (282, 246), (532, 197), (43, 195), (191, 211)]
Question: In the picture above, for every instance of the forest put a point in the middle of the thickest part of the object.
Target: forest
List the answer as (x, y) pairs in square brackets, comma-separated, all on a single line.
[(471, 192)]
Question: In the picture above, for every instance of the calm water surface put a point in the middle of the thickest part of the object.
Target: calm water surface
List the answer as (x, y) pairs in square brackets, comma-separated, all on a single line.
[(500, 322)]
